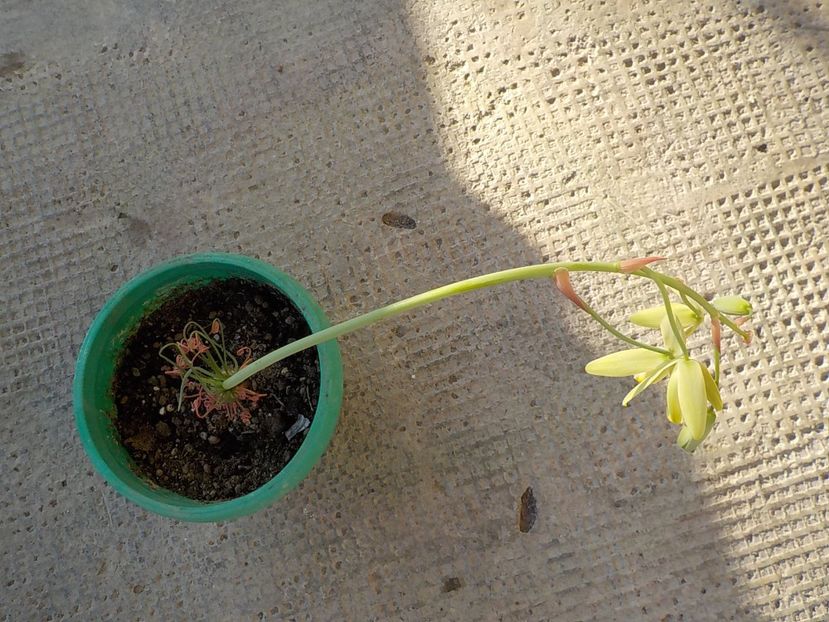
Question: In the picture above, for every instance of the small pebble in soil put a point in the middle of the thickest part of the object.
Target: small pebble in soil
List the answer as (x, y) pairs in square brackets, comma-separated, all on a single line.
[(213, 439)]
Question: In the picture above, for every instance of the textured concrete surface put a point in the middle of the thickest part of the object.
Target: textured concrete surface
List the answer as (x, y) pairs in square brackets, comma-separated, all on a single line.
[(510, 131)]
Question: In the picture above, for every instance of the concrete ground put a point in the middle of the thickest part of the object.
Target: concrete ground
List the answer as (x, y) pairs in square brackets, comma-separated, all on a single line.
[(510, 132)]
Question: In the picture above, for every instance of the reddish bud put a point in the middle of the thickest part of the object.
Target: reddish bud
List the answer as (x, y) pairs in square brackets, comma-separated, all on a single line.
[(215, 327), (564, 286), (632, 265), (715, 334)]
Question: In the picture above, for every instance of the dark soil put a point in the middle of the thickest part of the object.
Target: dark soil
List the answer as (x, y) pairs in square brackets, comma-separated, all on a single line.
[(212, 459)]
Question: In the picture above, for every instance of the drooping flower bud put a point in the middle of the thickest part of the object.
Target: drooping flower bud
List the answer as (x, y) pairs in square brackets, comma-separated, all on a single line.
[(632, 265), (653, 316), (732, 305), (625, 363), (564, 286)]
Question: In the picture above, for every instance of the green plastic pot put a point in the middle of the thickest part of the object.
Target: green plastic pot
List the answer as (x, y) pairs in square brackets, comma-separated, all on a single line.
[(92, 397)]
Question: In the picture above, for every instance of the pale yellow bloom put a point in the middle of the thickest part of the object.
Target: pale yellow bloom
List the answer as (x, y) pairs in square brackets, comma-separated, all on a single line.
[(712, 391), (653, 316), (686, 440), (668, 336), (732, 305), (693, 400), (674, 410), (691, 388), (688, 402), (649, 378), (626, 363)]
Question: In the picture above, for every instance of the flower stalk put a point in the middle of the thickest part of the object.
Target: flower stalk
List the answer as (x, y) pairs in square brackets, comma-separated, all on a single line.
[(538, 271)]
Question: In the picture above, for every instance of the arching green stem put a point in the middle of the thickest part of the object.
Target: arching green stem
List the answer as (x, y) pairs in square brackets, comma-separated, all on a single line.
[(539, 271)]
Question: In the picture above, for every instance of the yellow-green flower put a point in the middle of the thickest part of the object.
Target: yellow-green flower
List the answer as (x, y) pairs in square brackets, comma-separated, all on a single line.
[(690, 391), (626, 363), (686, 440), (732, 305), (690, 397), (653, 316), (690, 386)]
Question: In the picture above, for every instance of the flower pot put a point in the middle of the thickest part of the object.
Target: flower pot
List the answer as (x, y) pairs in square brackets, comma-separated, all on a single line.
[(92, 395)]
